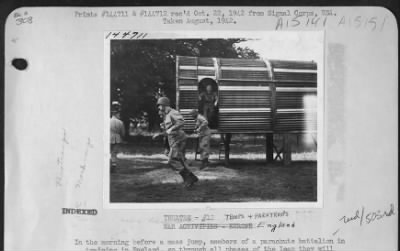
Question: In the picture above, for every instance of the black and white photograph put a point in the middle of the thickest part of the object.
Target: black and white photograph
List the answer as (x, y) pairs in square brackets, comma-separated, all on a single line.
[(200, 128), (215, 119)]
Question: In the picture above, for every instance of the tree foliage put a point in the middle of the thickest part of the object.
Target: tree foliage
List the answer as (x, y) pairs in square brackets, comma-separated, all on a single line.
[(140, 67)]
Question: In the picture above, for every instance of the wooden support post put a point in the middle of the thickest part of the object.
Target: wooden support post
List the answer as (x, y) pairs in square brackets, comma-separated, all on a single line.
[(287, 152), (270, 147), (227, 142)]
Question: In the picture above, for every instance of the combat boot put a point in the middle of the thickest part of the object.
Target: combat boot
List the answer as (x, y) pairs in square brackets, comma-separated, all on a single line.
[(184, 174), (188, 177), (191, 179)]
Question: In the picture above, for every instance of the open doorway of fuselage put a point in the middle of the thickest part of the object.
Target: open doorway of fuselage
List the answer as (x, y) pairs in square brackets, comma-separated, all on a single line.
[(209, 101)]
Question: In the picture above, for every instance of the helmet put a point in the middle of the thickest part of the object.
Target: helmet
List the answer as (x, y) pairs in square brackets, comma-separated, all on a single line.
[(193, 113), (163, 101), (115, 106)]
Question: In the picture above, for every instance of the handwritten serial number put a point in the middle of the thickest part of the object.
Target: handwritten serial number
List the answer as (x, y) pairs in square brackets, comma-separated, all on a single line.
[(126, 35), (357, 22)]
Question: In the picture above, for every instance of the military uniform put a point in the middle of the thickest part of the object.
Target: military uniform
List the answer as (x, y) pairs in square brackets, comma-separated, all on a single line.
[(165, 137), (204, 136), (208, 104), (117, 132), (174, 122), (176, 139)]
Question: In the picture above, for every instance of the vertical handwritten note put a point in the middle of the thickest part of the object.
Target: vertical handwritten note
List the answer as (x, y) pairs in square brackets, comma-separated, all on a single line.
[(60, 159), (84, 163)]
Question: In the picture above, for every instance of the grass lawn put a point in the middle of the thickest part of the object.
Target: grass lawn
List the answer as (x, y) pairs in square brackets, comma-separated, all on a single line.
[(142, 175)]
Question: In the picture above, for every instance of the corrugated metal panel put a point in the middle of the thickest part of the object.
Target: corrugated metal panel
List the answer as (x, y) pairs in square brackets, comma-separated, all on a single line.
[(244, 99), (254, 75), (187, 60), (242, 62), (188, 99), (188, 73), (309, 65), (205, 61), (245, 87), (294, 80), (206, 72), (296, 121), (249, 121), (296, 84), (189, 122), (289, 100), (188, 82), (242, 83), (290, 76)]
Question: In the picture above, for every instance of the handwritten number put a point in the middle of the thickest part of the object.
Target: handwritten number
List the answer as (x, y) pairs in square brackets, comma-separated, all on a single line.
[(22, 20), (358, 21), (108, 35), (125, 34), (134, 34), (315, 21), (383, 23), (297, 22), (373, 21)]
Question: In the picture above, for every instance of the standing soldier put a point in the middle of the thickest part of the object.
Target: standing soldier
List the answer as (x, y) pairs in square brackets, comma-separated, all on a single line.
[(208, 102), (173, 122), (204, 137), (117, 132)]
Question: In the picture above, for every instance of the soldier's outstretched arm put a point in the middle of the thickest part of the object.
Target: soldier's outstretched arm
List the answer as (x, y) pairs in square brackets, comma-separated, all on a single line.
[(158, 134)]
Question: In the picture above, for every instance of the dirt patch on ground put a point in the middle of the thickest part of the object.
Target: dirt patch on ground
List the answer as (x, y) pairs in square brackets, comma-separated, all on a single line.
[(142, 175)]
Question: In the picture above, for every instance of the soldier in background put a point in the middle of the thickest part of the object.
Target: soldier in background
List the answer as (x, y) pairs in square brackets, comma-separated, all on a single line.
[(201, 128), (174, 122), (133, 122), (143, 124), (117, 133), (115, 106)]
